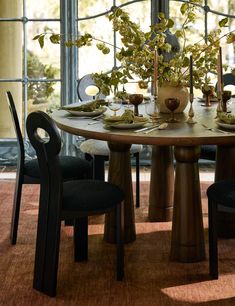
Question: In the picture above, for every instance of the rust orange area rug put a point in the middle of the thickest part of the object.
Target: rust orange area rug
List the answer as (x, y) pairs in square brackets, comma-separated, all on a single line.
[(150, 278)]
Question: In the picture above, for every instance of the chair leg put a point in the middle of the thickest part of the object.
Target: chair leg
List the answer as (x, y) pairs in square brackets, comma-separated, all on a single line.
[(80, 237), (119, 242), (47, 251), (98, 167), (137, 163), (88, 157), (213, 245), (16, 209)]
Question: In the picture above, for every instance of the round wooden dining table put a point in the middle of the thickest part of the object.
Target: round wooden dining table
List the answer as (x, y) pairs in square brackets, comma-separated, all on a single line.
[(176, 190)]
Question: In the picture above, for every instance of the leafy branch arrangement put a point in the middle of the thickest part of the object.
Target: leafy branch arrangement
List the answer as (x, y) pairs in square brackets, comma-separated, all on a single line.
[(136, 54)]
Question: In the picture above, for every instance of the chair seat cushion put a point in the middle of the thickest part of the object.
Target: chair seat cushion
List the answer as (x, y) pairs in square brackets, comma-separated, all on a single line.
[(100, 147), (222, 193), (72, 168), (90, 195)]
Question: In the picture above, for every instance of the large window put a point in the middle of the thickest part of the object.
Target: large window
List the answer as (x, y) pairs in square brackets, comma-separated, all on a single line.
[(45, 78)]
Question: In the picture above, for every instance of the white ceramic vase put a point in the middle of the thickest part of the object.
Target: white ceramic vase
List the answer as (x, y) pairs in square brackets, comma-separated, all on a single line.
[(167, 91)]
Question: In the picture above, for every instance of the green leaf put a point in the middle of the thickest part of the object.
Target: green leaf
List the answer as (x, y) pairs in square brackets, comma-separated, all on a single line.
[(69, 43), (118, 12), (233, 71), (191, 16), (161, 15), (105, 50), (230, 38), (179, 33), (185, 62), (223, 22), (127, 73), (184, 8), (100, 46), (41, 41), (55, 38), (36, 37), (170, 23)]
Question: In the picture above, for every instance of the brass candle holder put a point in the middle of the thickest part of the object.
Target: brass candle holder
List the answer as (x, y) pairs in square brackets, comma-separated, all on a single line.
[(191, 112), (220, 102)]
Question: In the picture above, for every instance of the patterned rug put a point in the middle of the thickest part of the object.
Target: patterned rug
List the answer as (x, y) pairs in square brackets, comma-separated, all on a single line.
[(150, 278)]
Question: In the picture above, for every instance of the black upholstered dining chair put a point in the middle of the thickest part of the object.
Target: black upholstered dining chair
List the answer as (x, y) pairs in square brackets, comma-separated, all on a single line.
[(28, 171), (221, 198), (98, 150), (228, 79), (209, 151), (76, 200)]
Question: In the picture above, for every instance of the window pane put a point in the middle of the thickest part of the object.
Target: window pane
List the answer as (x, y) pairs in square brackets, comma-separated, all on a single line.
[(93, 7), (44, 96), (140, 13), (43, 9), (97, 60), (50, 53), (90, 58)]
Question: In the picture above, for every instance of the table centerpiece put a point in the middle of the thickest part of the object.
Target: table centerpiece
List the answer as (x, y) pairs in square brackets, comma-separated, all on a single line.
[(137, 55)]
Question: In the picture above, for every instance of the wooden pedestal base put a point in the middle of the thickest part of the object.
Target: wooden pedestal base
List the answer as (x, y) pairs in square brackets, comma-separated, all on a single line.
[(120, 174), (161, 184), (187, 242)]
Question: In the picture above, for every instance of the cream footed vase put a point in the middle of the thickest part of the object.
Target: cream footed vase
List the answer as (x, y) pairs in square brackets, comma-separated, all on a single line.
[(168, 91)]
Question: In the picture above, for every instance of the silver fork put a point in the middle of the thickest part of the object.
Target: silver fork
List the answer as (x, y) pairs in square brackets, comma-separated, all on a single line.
[(213, 129)]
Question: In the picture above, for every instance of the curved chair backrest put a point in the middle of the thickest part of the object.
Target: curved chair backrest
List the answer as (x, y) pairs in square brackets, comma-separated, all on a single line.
[(228, 79), (83, 83), (47, 151), (20, 142)]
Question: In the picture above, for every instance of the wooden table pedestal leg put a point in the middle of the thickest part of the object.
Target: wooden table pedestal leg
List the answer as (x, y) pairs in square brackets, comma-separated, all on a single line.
[(120, 174), (187, 242), (226, 220), (161, 184)]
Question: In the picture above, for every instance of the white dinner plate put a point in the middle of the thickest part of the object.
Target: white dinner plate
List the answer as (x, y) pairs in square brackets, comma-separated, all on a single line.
[(226, 125), (96, 112), (124, 126)]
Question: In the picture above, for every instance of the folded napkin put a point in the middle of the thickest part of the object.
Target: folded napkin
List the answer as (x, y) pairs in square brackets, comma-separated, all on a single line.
[(226, 118), (127, 117), (86, 107)]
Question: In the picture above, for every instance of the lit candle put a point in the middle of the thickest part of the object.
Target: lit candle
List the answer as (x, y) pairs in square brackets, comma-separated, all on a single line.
[(191, 75), (219, 71), (155, 73), (92, 90)]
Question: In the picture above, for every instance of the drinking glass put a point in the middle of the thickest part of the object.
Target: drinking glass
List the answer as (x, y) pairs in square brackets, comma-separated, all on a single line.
[(136, 99), (114, 104), (151, 109), (208, 93), (172, 104)]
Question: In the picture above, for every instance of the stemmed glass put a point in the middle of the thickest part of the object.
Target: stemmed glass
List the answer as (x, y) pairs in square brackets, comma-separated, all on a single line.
[(136, 99), (172, 104), (226, 96), (151, 109), (114, 104), (208, 93)]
